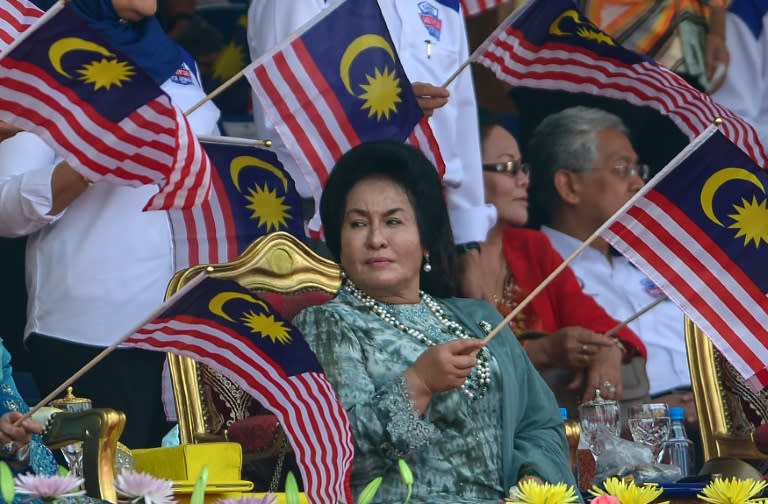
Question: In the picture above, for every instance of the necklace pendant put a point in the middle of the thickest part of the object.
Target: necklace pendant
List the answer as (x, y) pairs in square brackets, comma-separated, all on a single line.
[(476, 385)]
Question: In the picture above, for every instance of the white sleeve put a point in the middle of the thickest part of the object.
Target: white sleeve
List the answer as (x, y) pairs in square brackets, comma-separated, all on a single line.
[(471, 217), (26, 167), (745, 91), (269, 23)]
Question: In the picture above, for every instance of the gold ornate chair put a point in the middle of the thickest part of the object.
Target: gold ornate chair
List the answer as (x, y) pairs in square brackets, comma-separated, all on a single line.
[(728, 410), (288, 275), (98, 429)]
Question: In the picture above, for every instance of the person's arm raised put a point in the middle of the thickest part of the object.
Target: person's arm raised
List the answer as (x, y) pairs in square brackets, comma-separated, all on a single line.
[(66, 186)]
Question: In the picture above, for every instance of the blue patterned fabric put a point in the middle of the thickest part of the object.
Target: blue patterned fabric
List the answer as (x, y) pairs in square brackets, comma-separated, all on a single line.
[(459, 451), (41, 459)]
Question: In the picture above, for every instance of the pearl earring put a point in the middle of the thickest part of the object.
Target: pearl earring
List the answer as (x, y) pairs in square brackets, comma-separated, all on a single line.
[(427, 266)]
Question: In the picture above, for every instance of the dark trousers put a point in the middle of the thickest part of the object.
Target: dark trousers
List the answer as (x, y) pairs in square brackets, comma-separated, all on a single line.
[(127, 380)]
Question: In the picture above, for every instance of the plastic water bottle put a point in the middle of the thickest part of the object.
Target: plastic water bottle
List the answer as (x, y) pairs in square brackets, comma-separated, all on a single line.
[(572, 434), (678, 449)]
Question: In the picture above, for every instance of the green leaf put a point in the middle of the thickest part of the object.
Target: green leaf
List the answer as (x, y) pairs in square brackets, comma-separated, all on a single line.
[(62, 471), (7, 487), (369, 492), (407, 476), (198, 493), (291, 489)]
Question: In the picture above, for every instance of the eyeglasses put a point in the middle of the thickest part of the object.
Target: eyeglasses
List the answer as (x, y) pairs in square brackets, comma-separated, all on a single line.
[(626, 170), (512, 168)]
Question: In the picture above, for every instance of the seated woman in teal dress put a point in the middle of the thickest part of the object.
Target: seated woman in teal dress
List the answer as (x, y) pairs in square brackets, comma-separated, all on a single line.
[(21, 446), (407, 359)]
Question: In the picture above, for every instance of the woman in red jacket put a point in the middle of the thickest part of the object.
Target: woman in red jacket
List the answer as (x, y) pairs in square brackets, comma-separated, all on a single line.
[(562, 328)]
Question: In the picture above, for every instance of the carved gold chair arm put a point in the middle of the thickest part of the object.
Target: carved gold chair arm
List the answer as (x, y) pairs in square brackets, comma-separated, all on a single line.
[(98, 429)]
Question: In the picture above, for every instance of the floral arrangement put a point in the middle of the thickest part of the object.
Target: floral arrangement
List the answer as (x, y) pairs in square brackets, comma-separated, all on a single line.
[(627, 492), (733, 491), (134, 487), (141, 488), (48, 488), (532, 492)]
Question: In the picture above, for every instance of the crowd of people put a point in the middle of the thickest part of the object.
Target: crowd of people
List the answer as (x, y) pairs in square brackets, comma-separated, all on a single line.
[(429, 264)]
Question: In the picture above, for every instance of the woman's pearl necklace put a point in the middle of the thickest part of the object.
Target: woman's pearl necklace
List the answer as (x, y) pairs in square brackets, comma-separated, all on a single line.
[(477, 382)]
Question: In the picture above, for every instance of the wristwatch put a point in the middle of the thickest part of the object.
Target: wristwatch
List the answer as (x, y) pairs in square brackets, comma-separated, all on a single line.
[(463, 248)]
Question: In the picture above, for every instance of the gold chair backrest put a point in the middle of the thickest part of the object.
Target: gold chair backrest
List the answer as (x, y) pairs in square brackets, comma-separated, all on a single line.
[(278, 263), (721, 420)]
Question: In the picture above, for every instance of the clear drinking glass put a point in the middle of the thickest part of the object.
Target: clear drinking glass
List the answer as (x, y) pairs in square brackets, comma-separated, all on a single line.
[(649, 425), (73, 453), (598, 418)]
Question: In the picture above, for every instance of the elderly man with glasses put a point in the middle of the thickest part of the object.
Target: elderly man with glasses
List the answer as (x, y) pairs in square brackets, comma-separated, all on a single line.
[(584, 169)]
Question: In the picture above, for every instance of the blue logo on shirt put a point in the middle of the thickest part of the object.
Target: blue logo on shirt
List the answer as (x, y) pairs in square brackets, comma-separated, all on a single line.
[(651, 288), (429, 16), (182, 76)]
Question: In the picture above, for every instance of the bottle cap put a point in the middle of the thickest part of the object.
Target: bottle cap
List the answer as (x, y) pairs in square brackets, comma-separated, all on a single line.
[(677, 413), (564, 413)]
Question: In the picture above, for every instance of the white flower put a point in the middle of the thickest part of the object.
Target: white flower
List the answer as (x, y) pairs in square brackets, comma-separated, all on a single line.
[(136, 486), (48, 487), (266, 499)]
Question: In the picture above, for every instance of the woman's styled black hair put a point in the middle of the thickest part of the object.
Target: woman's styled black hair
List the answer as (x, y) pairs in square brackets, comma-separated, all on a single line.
[(411, 170)]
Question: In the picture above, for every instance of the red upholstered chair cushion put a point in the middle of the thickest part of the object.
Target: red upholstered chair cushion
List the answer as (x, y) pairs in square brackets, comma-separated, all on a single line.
[(243, 419), (290, 305), (748, 409), (227, 402), (761, 438)]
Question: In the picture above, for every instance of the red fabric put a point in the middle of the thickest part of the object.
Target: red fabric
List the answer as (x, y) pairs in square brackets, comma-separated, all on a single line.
[(531, 258)]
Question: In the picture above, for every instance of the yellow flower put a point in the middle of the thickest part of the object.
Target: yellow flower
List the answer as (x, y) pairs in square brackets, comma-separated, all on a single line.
[(533, 492), (733, 491), (628, 492)]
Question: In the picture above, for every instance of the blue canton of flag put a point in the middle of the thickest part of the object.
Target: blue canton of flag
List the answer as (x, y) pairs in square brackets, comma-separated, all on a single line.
[(251, 195), (549, 44), (326, 94), (100, 112), (699, 230), (223, 325), (360, 65), (85, 64)]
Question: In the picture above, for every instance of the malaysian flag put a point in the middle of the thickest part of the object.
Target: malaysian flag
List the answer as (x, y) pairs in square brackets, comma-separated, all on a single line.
[(222, 325), (251, 195), (473, 7), (326, 94), (549, 44), (15, 17), (699, 230), (100, 112)]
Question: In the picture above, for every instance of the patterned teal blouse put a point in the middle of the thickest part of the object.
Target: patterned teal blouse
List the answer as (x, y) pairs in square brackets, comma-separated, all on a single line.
[(41, 460), (459, 450)]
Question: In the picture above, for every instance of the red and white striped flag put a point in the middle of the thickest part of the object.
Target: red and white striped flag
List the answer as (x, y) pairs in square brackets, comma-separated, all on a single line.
[(326, 95), (424, 139), (549, 44), (100, 112), (189, 182), (251, 195), (473, 7), (15, 17), (222, 325), (698, 230)]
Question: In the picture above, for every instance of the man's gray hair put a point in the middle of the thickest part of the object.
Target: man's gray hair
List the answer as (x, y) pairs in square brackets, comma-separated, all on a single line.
[(566, 140)]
